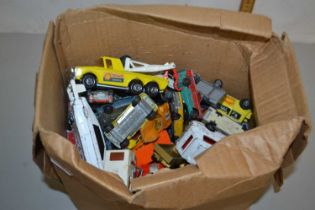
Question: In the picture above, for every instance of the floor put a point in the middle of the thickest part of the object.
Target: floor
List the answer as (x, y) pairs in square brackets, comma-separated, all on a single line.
[(21, 183)]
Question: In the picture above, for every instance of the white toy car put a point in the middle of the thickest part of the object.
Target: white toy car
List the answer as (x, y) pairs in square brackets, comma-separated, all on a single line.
[(216, 121), (88, 133), (122, 163), (196, 139)]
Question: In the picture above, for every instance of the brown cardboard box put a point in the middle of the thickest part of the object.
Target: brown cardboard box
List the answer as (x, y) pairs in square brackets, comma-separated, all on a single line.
[(236, 47)]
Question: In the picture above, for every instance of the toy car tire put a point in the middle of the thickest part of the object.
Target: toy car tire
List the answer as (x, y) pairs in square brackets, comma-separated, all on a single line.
[(218, 83), (197, 78), (152, 89), (211, 126), (135, 101), (152, 115), (108, 109), (89, 81), (186, 81), (194, 114), (245, 126), (245, 104), (124, 144), (135, 87), (167, 96), (108, 128)]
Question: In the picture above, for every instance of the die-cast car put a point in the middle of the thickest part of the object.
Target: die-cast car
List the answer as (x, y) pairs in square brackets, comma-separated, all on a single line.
[(100, 96), (237, 110), (151, 129), (212, 93), (122, 163), (130, 120), (113, 75), (167, 155), (196, 139), (216, 121), (189, 93), (177, 110), (88, 133)]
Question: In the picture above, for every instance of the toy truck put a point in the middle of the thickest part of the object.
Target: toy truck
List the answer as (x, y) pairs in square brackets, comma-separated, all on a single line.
[(212, 93), (216, 121), (114, 75), (237, 110), (130, 120), (100, 97), (122, 163), (167, 155), (196, 139), (189, 93), (88, 133)]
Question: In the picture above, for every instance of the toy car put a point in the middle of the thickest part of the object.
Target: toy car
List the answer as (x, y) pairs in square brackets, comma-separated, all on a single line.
[(172, 76), (151, 129), (189, 93), (88, 133), (237, 110), (211, 93), (113, 75), (122, 163), (196, 139), (167, 155), (100, 97), (130, 120), (216, 121), (177, 110)]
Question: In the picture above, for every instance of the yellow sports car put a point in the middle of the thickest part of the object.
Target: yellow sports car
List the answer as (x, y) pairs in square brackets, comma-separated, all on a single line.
[(113, 75)]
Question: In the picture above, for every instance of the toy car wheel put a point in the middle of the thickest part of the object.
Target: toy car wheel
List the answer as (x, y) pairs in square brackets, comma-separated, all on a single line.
[(89, 81), (152, 115), (167, 96), (152, 89), (135, 101), (194, 114), (135, 87), (175, 116), (186, 82), (108, 109), (211, 126), (108, 128), (124, 144), (123, 59), (245, 104), (197, 78), (218, 83), (245, 126)]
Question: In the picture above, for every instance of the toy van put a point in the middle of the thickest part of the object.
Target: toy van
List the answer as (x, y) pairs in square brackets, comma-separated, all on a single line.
[(122, 163), (195, 140), (130, 120)]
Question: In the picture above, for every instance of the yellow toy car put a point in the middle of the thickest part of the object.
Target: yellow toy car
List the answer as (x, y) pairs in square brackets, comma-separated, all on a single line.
[(177, 109), (113, 75), (237, 110)]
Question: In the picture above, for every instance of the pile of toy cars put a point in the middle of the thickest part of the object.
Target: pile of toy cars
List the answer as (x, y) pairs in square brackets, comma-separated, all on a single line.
[(133, 118)]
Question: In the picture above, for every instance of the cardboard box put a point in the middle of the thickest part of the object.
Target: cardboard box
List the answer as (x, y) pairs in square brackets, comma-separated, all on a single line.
[(238, 48)]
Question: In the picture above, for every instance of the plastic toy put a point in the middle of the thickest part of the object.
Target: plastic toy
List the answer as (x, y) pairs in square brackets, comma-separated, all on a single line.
[(190, 94), (237, 110), (151, 129), (137, 66), (145, 151), (216, 121), (131, 120), (167, 155), (122, 163), (211, 93), (100, 97), (88, 133), (113, 75), (196, 139), (177, 110)]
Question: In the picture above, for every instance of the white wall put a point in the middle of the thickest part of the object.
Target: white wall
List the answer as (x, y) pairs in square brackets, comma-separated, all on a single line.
[(297, 17)]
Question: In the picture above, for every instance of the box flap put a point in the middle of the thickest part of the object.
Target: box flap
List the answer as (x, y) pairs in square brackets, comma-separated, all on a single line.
[(256, 25)]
